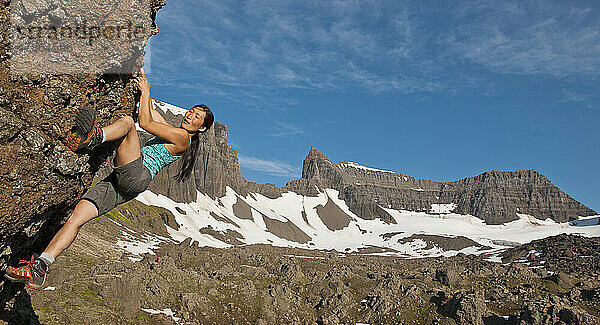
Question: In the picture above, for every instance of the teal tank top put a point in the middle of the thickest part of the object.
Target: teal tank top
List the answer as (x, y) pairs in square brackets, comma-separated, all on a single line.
[(156, 156)]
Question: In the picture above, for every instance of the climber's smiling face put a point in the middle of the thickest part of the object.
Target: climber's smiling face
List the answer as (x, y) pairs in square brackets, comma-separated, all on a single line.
[(193, 120)]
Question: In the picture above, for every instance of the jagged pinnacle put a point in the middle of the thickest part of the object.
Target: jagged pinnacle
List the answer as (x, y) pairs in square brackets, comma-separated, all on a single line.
[(311, 166), (316, 154)]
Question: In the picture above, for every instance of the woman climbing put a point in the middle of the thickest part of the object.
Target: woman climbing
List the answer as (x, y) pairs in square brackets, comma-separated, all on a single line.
[(134, 168)]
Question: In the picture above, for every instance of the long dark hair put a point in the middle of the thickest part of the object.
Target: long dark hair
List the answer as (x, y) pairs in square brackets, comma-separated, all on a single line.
[(188, 160)]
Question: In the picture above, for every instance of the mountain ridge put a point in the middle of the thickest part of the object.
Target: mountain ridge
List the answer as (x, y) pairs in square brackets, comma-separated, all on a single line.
[(494, 196)]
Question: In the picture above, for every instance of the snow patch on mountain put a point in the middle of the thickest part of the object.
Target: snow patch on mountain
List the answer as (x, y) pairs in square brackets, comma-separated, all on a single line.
[(300, 214), (166, 311), (137, 244), (176, 110), (443, 208), (359, 166)]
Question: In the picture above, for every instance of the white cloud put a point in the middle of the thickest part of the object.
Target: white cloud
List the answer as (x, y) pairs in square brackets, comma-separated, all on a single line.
[(538, 38), (269, 167), (274, 45)]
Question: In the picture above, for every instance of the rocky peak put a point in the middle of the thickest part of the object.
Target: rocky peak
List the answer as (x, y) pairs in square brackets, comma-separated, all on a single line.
[(313, 163), (314, 153), (524, 175), (499, 196)]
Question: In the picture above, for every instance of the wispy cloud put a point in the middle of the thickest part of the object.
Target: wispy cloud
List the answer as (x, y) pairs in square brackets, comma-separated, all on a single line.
[(260, 47), (533, 38), (283, 129), (269, 167), (574, 96), (268, 46)]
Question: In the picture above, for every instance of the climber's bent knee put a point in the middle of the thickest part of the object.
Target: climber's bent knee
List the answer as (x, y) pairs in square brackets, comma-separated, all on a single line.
[(84, 211)]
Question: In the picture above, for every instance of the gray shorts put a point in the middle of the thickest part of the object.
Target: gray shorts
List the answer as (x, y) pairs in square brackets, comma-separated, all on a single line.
[(121, 185)]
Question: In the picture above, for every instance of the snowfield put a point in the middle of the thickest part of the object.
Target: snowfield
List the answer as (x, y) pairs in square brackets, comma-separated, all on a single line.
[(325, 222), (359, 235)]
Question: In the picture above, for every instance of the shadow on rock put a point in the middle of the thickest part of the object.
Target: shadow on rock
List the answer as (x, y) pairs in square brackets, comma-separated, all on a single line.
[(19, 310)]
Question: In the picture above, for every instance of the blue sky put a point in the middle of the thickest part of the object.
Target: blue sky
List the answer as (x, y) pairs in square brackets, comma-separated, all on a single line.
[(435, 90)]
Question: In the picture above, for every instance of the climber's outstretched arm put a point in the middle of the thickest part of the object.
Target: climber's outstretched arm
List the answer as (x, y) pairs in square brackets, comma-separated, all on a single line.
[(177, 136)]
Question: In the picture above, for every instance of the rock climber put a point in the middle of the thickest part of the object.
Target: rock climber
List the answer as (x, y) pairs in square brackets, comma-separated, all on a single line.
[(134, 168)]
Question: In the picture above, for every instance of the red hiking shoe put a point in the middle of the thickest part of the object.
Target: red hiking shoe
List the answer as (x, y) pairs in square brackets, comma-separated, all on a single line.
[(32, 273), (85, 134)]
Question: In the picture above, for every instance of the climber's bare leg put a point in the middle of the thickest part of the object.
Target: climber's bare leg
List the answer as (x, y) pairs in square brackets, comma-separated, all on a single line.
[(124, 131), (84, 211), (128, 150)]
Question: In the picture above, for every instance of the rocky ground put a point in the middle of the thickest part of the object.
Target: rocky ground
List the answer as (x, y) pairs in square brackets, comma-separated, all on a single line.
[(551, 281)]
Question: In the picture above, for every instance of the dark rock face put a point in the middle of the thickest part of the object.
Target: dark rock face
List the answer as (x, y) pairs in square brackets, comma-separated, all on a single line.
[(332, 216), (242, 210), (230, 236), (555, 250), (40, 179), (217, 164), (448, 276), (495, 197), (498, 196), (446, 243), (287, 230), (465, 308)]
